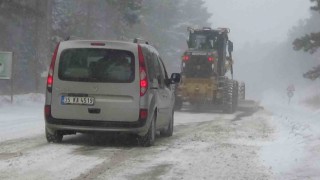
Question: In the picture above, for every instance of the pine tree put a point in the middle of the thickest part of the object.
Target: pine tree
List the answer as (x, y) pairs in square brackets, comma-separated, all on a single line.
[(310, 43), (127, 14), (165, 25)]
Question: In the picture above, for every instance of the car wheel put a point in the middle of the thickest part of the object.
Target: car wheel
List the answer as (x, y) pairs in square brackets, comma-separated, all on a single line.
[(148, 139), (56, 137), (169, 131)]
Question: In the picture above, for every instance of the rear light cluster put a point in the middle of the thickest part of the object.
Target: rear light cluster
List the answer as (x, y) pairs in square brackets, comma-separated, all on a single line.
[(51, 69), (143, 73), (185, 58), (143, 114), (210, 59)]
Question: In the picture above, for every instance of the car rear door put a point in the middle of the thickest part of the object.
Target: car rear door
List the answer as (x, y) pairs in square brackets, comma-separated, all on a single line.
[(96, 83)]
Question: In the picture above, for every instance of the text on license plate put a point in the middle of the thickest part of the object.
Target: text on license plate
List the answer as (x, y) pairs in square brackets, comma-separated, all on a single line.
[(77, 100)]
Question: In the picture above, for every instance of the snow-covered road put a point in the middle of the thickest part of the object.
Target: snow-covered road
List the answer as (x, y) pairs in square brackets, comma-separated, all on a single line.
[(250, 144)]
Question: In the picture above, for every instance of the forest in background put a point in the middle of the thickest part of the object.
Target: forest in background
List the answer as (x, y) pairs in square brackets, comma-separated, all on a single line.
[(266, 66), (32, 28)]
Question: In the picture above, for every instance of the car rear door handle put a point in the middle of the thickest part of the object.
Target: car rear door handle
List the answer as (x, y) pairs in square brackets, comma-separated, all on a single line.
[(94, 110)]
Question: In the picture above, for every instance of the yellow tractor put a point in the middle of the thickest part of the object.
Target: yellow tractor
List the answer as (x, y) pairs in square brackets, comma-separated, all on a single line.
[(204, 71)]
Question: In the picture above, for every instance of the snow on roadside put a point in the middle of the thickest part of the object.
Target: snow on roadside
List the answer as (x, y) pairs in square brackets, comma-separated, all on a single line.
[(293, 153), (32, 157), (47, 162), (22, 118)]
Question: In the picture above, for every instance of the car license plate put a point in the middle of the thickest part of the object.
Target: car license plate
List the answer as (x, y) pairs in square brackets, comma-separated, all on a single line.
[(65, 100)]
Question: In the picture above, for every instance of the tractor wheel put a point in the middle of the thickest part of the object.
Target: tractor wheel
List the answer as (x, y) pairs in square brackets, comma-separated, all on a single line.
[(228, 95), (235, 95), (242, 91)]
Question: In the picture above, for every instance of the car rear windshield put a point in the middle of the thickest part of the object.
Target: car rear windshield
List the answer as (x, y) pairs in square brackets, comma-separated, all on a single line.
[(96, 65)]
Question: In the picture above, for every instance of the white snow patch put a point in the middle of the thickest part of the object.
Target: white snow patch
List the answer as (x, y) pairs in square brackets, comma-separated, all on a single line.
[(292, 154), (183, 118), (22, 118), (56, 162)]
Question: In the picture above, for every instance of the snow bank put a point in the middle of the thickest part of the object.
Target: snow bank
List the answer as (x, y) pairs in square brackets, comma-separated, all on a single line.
[(23, 99), (22, 118), (293, 154)]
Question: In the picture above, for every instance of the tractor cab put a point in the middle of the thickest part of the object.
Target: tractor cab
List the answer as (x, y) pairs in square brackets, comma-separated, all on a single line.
[(206, 54), (204, 39)]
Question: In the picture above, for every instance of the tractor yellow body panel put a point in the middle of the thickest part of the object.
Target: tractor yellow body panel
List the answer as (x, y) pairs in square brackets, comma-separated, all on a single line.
[(196, 90)]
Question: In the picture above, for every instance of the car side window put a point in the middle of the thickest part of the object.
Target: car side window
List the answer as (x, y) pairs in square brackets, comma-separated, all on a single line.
[(159, 72), (164, 69), (164, 72), (150, 66)]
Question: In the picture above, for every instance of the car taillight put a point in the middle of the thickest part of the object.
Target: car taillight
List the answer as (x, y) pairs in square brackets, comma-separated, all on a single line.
[(143, 115), (185, 58), (143, 73), (210, 59), (51, 69), (47, 111)]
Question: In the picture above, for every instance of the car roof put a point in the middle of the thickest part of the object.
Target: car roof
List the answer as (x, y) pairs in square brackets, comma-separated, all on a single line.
[(109, 44)]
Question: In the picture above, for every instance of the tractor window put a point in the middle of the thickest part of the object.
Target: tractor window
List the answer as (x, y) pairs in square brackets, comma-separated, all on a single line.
[(202, 41), (198, 41)]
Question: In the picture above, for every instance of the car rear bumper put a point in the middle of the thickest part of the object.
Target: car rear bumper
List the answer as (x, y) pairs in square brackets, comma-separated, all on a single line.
[(138, 127)]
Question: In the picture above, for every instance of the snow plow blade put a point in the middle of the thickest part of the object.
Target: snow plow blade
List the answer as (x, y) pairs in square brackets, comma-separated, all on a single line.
[(245, 105)]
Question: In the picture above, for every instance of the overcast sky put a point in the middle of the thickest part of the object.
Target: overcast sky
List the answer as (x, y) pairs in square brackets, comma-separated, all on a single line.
[(258, 20)]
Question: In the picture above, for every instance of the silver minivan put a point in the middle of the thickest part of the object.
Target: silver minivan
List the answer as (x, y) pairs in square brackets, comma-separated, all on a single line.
[(108, 86)]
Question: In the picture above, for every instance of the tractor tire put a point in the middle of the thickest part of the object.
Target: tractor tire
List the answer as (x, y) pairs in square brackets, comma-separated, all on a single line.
[(242, 91), (228, 97), (235, 95)]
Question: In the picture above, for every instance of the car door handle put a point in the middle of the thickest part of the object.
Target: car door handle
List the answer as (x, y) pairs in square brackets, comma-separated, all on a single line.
[(94, 110)]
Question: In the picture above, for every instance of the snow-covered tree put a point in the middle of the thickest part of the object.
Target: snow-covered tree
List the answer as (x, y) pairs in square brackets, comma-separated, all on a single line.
[(310, 43)]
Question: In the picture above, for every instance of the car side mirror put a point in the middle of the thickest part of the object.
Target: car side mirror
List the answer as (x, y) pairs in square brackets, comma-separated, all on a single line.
[(175, 78)]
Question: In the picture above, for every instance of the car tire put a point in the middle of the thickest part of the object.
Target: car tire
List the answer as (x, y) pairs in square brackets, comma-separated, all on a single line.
[(56, 137), (169, 131), (148, 139)]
